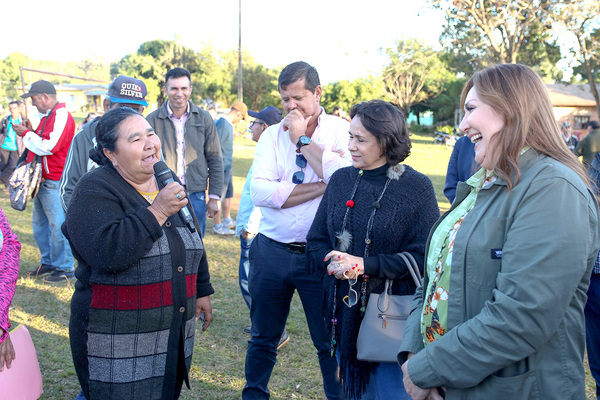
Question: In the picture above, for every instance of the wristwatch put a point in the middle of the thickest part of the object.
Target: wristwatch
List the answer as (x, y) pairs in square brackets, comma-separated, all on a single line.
[(303, 141)]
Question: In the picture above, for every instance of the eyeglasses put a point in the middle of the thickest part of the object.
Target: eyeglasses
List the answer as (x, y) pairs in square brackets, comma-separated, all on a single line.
[(352, 297), (298, 176), (256, 121), (135, 107)]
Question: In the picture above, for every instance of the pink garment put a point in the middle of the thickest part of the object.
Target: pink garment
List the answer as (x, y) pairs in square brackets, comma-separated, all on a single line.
[(179, 134), (9, 271), (274, 165)]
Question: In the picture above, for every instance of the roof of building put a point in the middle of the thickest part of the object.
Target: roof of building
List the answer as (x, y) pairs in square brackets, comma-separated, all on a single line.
[(563, 95)]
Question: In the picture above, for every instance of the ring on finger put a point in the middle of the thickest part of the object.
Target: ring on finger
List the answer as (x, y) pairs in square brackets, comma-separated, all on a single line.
[(178, 196)]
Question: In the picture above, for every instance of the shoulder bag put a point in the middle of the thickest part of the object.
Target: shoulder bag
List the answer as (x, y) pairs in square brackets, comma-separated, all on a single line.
[(382, 327), (24, 182)]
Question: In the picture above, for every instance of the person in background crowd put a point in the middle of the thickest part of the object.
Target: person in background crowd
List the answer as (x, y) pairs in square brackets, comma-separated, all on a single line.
[(10, 248), (50, 141), (569, 138), (498, 303), (592, 306), (338, 112), (238, 112), (142, 275), (248, 217), (90, 117), (589, 146), (213, 112), (190, 144), (123, 91), (460, 166), (297, 158), (370, 212), (9, 150)]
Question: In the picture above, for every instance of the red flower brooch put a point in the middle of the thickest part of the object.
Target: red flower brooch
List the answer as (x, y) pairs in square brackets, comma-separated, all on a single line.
[(350, 203)]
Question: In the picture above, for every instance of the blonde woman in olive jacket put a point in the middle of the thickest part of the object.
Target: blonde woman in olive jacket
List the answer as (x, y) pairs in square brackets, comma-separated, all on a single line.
[(500, 313)]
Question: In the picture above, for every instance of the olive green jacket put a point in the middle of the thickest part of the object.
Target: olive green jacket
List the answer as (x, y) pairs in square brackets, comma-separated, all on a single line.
[(588, 147), (515, 319), (203, 160)]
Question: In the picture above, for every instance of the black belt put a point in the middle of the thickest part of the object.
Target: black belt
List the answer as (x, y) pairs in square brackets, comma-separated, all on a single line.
[(294, 247)]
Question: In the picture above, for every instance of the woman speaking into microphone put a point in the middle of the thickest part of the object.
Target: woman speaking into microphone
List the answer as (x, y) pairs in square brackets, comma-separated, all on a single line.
[(142, 278)]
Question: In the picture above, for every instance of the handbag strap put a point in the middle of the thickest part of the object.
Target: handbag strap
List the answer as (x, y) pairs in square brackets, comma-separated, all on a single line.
[(383, 301), (23, 157), (412, 266), (46, 120)]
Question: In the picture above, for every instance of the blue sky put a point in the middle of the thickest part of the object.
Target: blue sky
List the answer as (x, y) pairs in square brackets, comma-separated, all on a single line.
[(340, 38)]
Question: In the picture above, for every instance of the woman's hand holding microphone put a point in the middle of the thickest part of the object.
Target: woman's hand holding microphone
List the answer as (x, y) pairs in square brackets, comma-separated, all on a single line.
[(168, 201)]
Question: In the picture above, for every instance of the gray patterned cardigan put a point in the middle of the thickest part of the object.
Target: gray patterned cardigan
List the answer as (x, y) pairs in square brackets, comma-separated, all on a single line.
[(132, 313)]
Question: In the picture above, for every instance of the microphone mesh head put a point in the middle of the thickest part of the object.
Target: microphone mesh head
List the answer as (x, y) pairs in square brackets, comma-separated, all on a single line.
[(159, 167)]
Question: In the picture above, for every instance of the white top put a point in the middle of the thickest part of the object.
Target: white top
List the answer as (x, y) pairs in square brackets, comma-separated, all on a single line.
[(274, 165)]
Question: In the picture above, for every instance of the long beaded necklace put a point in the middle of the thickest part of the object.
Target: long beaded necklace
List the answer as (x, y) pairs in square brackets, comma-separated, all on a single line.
[(344, 239)]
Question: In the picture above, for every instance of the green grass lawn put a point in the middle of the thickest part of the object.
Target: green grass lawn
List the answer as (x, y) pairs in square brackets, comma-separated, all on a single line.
[(218, 364)]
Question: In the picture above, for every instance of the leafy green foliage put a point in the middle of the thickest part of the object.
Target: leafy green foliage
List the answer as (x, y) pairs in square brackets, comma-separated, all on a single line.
[(259, 84), (345, 94), (483, 32), (415, 74)]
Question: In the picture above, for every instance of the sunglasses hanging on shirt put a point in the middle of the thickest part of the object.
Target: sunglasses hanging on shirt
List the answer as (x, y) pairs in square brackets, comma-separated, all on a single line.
[(298, 176)]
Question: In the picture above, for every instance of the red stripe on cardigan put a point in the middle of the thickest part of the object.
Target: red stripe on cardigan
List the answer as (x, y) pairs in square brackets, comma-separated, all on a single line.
[(139, 297)]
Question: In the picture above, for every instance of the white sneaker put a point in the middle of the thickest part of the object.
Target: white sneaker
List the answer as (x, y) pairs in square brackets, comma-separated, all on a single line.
[(222, 230), (229, 222)]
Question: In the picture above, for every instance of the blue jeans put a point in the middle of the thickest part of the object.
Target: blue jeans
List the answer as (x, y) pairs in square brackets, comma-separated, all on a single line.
[(275, 275), (385, 383), (80, 396), (198, 200), (245, 269), (48, 216), (592, 329)]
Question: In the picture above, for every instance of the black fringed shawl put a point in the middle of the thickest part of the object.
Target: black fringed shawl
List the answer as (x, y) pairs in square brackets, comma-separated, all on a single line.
[(407, 211)]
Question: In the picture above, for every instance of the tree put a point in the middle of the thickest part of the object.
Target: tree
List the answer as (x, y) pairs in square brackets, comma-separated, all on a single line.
[(259, 83), (580, 18), (155, 58), (414, 74), (142, 67), (345, 94), (498, 31), (448, 101), (93, 68), (10, 76), (259, 86)]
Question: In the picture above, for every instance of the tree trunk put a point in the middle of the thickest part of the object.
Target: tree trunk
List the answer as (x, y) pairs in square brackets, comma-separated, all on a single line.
[(594, 90), (592, 82)]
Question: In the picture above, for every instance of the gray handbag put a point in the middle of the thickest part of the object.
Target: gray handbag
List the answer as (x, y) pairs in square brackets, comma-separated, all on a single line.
[(382, 327)]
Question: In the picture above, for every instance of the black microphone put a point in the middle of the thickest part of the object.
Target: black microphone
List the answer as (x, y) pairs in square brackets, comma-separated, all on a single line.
[(164, 177)]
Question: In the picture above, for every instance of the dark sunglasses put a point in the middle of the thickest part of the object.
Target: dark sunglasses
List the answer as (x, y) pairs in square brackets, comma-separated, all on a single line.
[(300, 160), (298, 176)]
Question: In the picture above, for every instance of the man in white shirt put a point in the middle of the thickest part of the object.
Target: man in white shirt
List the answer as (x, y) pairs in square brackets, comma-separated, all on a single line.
[(294, 160)]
